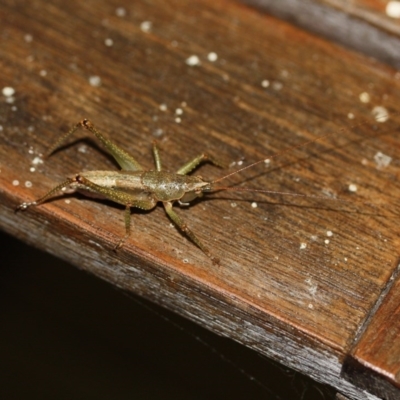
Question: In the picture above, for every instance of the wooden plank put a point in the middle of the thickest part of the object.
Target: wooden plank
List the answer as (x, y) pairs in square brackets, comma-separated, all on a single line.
[(364, 25), (374, 363), (298, 276)]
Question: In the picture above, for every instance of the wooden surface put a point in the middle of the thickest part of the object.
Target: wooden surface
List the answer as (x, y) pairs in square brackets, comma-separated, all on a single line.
[(364, 25), (298, 277)]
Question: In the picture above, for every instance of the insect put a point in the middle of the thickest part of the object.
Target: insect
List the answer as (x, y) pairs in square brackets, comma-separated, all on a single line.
[(135, 187)]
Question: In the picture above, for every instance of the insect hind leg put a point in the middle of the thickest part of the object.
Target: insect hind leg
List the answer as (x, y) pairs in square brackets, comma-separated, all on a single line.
[(49, 194), (124, 160)]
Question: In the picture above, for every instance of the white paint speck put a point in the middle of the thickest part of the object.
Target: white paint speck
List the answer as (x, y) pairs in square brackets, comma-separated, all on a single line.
[(382, 160), (352, 187), (82, 148), (329, 233), (108, 42), (365, 97), (310, 306), (233, 205), (193, 61), (28, 38), (178, 120), (37, 161), (312, 286), (284, 73), (8, 91), (95, 243), (95, 80), (120, 12), (265, 83), (145, 26), (185, 260), (43, 72), (267, 162), (163, 107), (32, 169), (212, 57), (350, 115), (380, 113), (393, 9), (303, 246), (345, 259), (158, 132), (179, 111), (15, 182), (254, 204), (326, 241), (28, 184), (67, 201), (240, 163)]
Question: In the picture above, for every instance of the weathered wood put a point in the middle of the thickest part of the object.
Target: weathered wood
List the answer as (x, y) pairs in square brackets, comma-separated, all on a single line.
[(363, 25), (285, 287), (374, 363)]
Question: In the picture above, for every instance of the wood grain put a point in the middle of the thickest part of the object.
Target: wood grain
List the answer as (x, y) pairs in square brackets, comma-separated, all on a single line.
[(363, 25), (285, 287)]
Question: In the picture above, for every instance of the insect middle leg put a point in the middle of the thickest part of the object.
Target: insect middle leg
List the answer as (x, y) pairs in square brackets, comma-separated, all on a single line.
[(181, 224), (144, 202)]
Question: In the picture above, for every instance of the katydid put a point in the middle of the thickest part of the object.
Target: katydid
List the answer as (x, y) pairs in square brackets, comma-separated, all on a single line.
[(135, 187)]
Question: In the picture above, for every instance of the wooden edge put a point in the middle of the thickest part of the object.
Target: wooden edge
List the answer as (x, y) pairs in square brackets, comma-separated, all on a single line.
[(220, 312), (359, 28), (339, 396), (374, 362)]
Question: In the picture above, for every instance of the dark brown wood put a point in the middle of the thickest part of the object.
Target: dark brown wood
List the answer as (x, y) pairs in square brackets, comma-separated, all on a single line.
[(374, 363), (298, 276), (363, 25)]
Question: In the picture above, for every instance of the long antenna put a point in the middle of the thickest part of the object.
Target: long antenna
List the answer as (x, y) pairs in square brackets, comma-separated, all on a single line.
[(264, 160), (234, 189)]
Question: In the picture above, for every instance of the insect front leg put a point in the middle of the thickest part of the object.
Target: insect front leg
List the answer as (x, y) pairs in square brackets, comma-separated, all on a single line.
[(181, 224), (192, 164)]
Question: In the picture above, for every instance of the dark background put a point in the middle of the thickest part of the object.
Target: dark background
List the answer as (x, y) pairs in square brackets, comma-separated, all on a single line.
[(68, 335)]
